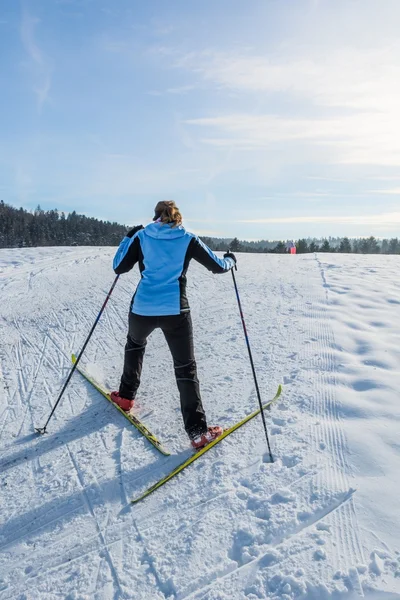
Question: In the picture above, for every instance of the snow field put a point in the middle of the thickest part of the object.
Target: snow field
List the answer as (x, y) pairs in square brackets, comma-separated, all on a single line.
[(314, 524)]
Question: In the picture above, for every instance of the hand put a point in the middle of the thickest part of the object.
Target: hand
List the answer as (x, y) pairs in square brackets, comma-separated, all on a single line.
[(132, 232), (230, 254)]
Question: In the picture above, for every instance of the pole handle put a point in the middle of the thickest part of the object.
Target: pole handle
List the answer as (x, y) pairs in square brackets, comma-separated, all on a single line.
[(235, 267)]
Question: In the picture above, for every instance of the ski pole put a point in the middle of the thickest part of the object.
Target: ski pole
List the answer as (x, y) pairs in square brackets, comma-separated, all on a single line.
[(251, 362), (42, 430)]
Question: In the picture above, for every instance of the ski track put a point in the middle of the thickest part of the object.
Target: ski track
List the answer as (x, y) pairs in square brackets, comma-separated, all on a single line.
[(103, 545), (232, 525), (296, 531)]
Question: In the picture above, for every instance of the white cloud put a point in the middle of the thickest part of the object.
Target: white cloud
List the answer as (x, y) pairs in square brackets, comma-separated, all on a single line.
[(385, 177), (40, 68), (349, 77), (345, 101), (362, 138), (179, 90), (383, 219), (182, 89), (206, 232), (390, 192)]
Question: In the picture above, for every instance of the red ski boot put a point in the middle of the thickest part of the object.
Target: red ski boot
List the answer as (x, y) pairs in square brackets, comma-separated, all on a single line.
[(205, 438), (123, 403)]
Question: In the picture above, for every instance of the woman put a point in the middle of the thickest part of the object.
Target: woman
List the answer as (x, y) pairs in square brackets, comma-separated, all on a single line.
[(163, 250)]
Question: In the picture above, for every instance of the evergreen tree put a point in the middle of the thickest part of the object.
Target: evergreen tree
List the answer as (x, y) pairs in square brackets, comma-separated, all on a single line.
[(369, 246), (302, 246), (345, 245), (19, 227), (280, 248), (235, 245), (385, 246), (326, 247), (373, 245), (394, 246)]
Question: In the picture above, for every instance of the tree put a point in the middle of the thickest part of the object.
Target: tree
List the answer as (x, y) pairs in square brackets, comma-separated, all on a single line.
[(394, 246), (302, 246), (18, 227), (345, 246), (369, 246), (373, 245), (385, 246), (280, 248), (326, 247), (314, 247), (235, 245)]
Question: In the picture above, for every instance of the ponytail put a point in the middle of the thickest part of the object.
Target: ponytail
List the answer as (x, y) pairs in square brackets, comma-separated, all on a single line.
[(167, 212)]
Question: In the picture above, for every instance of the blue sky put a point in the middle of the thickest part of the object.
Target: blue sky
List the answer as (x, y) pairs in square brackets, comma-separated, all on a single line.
[(262, 119)]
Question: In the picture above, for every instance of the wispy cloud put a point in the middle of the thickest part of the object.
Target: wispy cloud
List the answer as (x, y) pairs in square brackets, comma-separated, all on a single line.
[(383, 219), (325, 178), (179, 90), (385, 177), (390, 192), (349, 102), (182, 89), (209, 232), (360, 79), (163, 29), (39, 64), (364, 138)]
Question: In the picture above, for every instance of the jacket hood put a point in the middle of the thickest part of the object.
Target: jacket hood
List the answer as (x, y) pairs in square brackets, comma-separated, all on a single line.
[(163, 231)]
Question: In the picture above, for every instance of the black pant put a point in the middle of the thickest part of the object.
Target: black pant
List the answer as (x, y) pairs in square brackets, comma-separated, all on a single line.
[(178, 332)]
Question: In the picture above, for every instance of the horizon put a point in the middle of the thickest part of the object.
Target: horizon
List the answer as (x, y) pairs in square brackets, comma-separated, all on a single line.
[(264, 121), (314, 238)]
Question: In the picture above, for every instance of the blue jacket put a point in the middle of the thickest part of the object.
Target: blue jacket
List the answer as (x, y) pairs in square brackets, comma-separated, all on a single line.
[(163, 253)]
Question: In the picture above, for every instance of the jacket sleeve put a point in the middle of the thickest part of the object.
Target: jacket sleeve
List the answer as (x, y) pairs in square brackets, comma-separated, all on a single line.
[(206, 257), (127, 255)]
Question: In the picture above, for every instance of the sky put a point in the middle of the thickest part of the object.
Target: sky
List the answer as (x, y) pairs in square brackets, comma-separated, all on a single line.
[(264, 119)]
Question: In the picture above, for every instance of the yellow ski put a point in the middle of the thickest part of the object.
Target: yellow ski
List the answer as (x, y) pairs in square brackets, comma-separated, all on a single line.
[(197, 455), (131, 418)]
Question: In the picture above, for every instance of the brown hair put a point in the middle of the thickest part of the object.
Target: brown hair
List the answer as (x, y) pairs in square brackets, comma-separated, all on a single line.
[(168, 212)]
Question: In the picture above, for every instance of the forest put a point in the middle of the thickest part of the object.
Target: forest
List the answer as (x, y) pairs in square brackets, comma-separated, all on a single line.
[(22, 228)]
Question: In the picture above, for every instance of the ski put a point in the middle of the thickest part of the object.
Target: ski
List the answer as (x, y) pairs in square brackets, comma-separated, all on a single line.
[(200, 453), (131, 418)]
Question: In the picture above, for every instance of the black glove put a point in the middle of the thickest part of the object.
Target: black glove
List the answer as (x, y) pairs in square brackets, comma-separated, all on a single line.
[(230, 254), (132, 232)]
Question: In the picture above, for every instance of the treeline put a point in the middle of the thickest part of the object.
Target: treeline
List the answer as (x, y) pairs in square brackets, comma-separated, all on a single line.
[(368, 245), (345, 245), (20, 228)]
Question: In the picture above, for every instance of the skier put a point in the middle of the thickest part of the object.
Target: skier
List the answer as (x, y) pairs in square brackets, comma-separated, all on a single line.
[(291, 247), (163, 250)]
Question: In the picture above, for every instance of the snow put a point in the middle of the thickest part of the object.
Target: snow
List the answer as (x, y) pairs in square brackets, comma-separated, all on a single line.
[(322, 522)]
